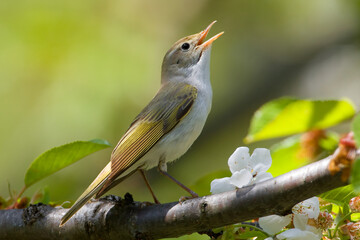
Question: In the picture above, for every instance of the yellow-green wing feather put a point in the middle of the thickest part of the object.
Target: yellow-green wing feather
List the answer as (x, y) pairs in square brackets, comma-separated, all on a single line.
[(163, 113)]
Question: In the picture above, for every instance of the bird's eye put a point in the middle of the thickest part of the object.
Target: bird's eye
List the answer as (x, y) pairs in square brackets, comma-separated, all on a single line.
[(185, 46)]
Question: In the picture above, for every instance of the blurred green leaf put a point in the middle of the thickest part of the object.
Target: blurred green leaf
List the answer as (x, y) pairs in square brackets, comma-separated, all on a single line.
[(202, 185), (42, 196), (285, 156), (356, 129), (355, 176), (289, 154), (355, 217), (45, 196), (286, 116), (60, 157), (330, 143), (339, 196)]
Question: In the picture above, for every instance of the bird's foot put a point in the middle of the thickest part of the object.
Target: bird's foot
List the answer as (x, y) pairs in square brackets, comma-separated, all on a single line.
[(146, 204), (184, 198)]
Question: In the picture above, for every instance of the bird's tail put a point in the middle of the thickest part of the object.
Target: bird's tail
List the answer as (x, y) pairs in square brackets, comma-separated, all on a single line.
[(94, 187)]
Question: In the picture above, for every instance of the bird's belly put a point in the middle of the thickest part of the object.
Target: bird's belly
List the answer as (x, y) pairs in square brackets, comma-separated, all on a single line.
[(177, 141)]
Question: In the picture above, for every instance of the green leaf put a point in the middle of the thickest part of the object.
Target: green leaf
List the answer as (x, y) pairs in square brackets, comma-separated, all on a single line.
[(339, 196), (339, 217), (355, 176), (286, 116), (288, 154), (60, 157), (346, 210), (285, 156), (356, 129)]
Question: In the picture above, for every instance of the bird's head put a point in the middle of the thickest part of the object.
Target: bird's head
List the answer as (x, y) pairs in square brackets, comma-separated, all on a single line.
[(187, 53)]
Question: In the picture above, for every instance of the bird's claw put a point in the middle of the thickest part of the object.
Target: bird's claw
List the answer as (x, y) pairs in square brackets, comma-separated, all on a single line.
[(145, 204), (184, 198)]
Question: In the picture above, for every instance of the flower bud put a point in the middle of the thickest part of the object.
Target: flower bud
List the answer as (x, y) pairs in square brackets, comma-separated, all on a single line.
[(354, 204)]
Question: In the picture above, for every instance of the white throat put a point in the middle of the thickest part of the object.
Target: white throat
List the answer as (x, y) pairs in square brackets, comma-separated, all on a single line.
[(197, 75)]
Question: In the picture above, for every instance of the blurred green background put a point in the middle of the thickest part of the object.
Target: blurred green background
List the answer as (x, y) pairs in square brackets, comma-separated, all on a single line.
[(78, 70)]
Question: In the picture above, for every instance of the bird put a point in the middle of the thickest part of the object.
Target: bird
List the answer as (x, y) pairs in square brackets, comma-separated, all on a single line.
[(166, 128)]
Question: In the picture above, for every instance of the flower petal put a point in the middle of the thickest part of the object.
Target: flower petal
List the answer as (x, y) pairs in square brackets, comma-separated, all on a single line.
[(260, 160), (300, 221), (297, 234), (262, 176), (273, 224), (241, 178), (309, 207), (221, 185), (316, 231), (239, 159)]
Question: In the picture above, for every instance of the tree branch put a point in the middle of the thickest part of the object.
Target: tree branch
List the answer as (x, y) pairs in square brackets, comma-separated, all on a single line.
[(115, 218)]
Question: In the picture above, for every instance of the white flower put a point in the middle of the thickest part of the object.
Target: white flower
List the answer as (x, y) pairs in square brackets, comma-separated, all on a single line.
[(300, 221), (273, 224), (262, 176), (297, 234), (309, 208), (241, 178), (221, 185), (245, 170), (259, 162), (302, 212), (239, 159)]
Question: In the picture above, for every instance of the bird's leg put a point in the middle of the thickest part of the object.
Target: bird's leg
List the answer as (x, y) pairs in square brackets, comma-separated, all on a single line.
[(149, 187), (192, 193)]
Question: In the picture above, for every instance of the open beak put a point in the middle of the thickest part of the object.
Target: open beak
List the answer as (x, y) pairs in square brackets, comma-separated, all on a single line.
[(203, 35)]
